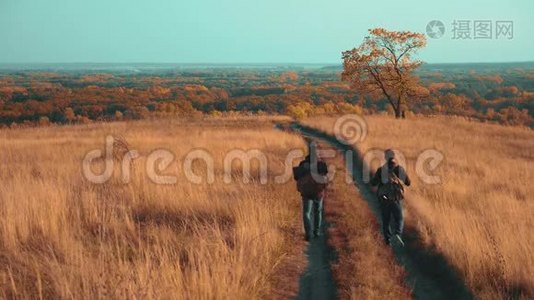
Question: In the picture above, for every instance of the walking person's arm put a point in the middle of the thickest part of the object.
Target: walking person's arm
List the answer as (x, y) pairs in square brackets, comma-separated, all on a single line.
[(403, 175), (376, 178)]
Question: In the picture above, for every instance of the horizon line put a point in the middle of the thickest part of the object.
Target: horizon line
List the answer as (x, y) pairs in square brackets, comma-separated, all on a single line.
[(245, 63)]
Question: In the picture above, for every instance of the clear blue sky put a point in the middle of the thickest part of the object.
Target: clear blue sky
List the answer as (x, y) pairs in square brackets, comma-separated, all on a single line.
[(245, 31)]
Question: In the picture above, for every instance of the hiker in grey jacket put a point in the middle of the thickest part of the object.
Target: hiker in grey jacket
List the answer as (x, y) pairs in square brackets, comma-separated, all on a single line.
[(390, 179)]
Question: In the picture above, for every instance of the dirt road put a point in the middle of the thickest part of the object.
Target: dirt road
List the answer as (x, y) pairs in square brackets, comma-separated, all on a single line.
[(317, 281), (429, 274)]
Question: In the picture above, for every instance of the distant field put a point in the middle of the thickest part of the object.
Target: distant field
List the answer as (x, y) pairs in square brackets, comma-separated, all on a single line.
[(62, 236), (37, 95), (481, 215)]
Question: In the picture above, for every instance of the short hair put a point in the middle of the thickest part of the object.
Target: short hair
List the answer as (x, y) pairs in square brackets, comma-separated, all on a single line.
[(389, 154)]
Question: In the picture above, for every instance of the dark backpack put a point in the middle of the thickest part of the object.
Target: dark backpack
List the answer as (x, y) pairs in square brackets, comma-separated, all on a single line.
[(310, 188), (307, 186), (392, 190)]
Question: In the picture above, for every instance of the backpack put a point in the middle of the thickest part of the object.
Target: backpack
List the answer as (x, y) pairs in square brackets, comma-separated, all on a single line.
[(392, 190), (300, 171), (309, 188)]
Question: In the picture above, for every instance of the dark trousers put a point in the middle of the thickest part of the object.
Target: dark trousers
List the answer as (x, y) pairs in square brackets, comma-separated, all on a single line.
[(312, 209), (391, 209)]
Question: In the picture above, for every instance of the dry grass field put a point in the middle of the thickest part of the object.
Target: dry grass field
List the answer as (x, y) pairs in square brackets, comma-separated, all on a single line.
[(62, 236), (481, 215)]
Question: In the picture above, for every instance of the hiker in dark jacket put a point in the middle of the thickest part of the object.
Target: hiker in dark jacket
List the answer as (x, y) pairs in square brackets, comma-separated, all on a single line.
[(311, 183), (390, 179)]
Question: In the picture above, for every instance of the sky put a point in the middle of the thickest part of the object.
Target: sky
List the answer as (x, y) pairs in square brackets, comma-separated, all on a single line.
[(250, 31)]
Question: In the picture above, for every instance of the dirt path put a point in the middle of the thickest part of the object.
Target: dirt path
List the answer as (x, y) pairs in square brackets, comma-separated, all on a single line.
[(317, 281), (429, 274)]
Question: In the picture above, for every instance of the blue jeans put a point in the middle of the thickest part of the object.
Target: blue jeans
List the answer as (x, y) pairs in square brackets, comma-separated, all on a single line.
[(310, 206), (388, 210)]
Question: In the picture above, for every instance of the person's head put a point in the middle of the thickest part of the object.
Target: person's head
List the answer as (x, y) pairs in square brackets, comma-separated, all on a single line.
[(316, 157), (389, 154)]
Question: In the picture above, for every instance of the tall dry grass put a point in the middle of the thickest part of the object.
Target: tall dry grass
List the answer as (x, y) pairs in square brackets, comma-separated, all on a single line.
[(64, 237), (481, 215)]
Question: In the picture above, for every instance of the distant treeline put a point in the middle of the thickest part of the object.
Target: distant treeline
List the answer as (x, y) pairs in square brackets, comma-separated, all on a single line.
[(503, 94)]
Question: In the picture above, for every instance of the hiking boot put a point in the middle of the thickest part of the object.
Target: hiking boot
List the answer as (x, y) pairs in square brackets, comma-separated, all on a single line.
[(316, 233), (399, 240)]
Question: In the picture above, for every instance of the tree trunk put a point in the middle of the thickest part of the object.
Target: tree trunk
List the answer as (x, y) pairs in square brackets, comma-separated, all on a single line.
[(397, 113)]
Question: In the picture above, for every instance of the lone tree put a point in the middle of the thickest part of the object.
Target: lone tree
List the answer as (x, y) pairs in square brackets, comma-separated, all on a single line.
[(383, 65)]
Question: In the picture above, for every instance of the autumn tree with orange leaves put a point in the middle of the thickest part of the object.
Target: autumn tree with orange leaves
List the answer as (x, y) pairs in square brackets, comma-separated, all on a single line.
[(384, 65)]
